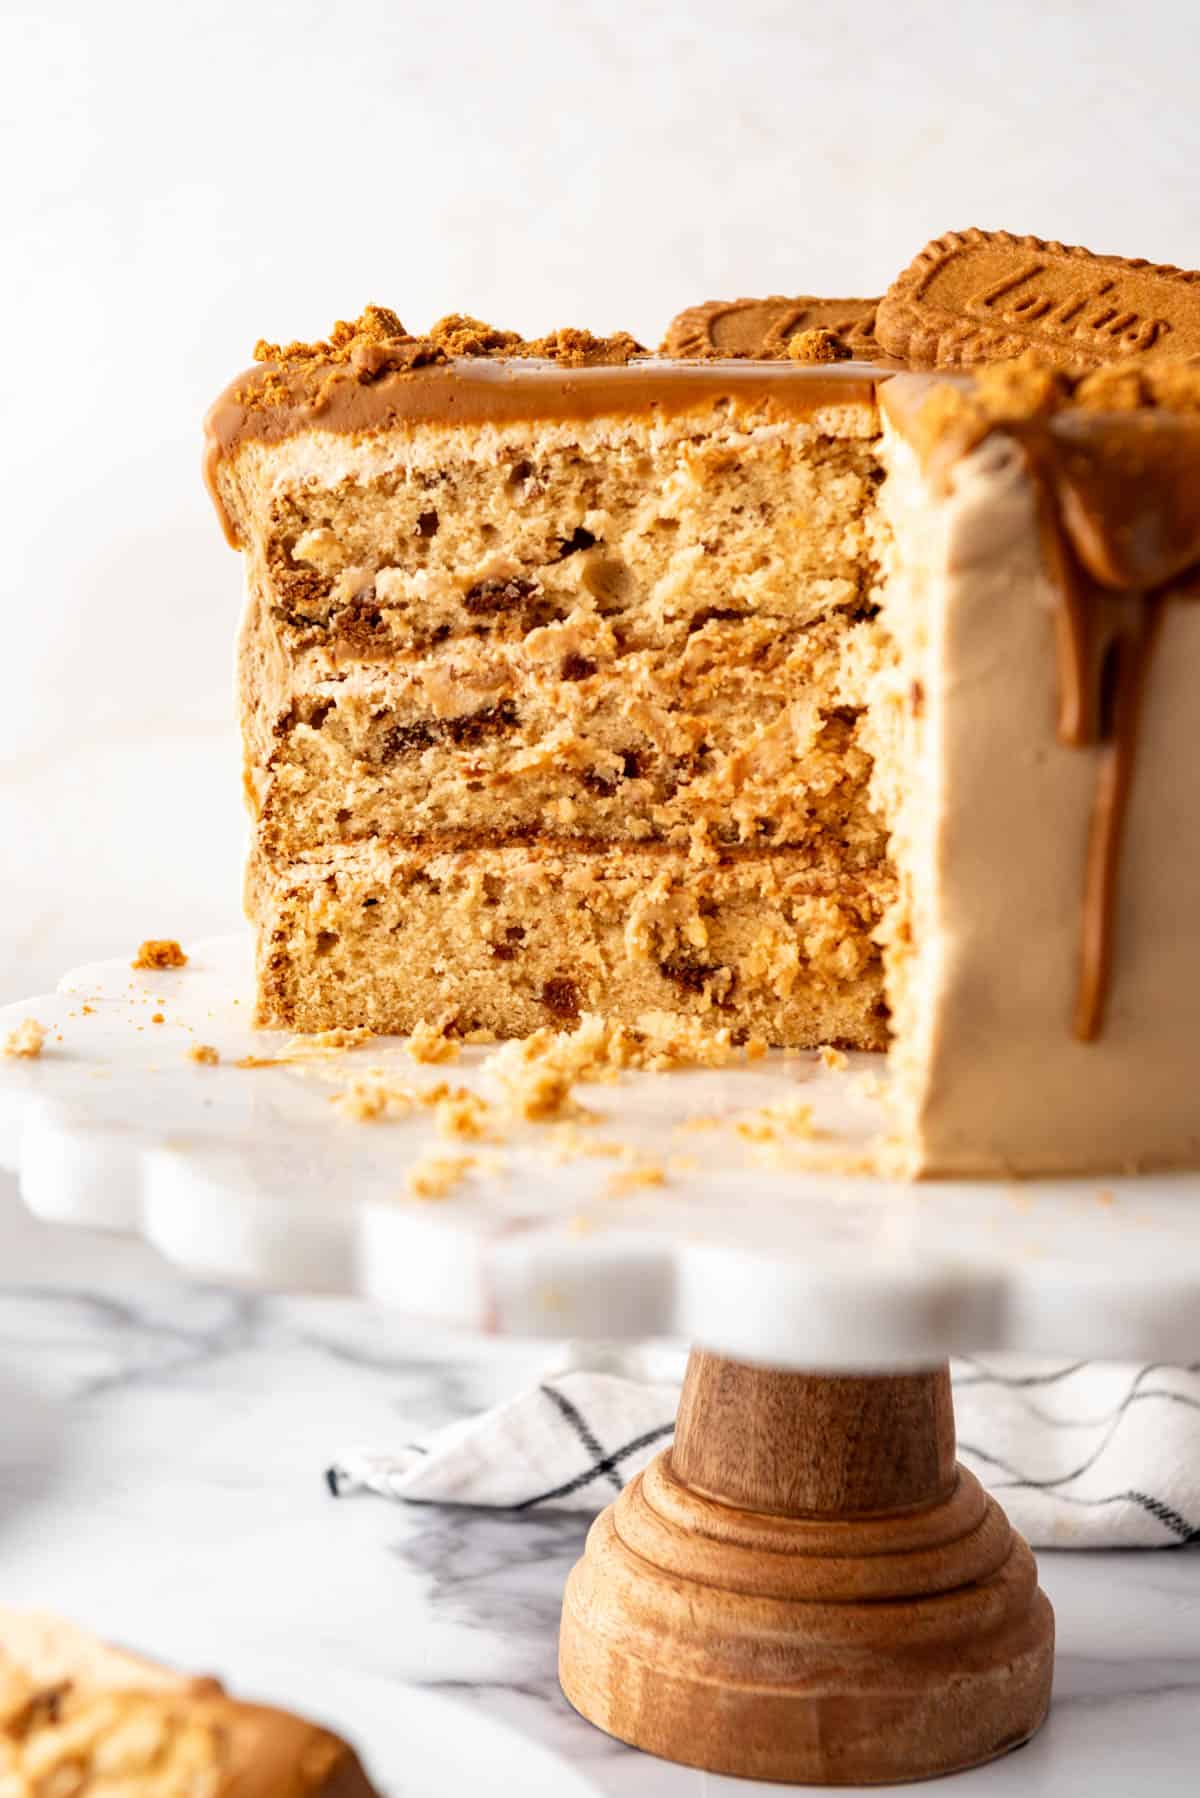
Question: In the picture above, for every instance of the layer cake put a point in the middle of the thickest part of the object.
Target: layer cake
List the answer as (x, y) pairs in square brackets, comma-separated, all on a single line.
[(738, 685)]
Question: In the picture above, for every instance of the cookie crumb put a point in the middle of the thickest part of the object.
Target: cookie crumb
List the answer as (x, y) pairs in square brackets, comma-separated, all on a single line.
[(429, 1043), (159, 952), (772, 1123), (633, 1179), (25, 1042), (465, 1114), (569, 1143), (204, 1053), (324, 1042), (436, 1176), (819, 345), (835, 1059), (157, 1018), (373, 1096)]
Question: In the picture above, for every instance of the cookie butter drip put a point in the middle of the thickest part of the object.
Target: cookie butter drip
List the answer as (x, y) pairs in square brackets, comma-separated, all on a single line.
[(1121, 509), (1127, 661)]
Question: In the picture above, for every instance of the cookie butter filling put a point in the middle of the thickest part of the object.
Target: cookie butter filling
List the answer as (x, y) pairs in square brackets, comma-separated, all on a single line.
[(576, 680)]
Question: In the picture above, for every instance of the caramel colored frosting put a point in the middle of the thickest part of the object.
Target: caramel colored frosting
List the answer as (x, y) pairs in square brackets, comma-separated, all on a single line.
[(1115, 458)]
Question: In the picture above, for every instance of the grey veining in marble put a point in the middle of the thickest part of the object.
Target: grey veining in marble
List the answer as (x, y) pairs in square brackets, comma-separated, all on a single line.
[(161, 1478)]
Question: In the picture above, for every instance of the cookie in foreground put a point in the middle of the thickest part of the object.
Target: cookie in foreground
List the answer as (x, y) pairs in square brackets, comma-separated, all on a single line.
[(79, 1717)]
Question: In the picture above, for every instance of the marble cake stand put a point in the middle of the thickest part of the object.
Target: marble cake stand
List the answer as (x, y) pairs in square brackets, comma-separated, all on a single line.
[(806, 1587)]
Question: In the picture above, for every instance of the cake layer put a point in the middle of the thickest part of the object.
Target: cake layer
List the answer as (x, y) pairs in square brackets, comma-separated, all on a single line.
[(623, 629), (744, 736), (514, 938), (365, 549)]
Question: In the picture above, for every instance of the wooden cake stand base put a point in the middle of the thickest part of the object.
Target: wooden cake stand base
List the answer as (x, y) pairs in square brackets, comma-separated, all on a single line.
[(807, 1588)]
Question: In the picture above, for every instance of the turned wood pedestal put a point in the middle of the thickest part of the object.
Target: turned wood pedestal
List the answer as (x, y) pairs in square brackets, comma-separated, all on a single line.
[(807, 1588)]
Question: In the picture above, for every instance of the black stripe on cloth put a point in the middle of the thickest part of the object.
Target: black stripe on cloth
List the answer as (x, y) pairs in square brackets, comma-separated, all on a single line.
[(1166, 1514), (1095, 1423), (1063, 1479), (1157, 1508), (606, 1465), (582, 1429), (984, 1376)]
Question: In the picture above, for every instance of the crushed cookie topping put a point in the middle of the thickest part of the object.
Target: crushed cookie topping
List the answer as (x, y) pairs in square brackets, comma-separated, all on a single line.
[(818, 345), (378, 343), (1032, 387)]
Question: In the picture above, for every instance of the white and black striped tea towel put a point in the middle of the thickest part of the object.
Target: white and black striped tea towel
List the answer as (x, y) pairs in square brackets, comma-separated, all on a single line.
[(1082, 1454)]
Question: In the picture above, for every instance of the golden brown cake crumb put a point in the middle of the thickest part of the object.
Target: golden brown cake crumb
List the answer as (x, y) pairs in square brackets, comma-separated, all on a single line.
[(428, 1043), (569, 1143), (818, 346), (465, 1114), (159, 952), (832, 1058), (157, 1017), (324, 1042), (771, 1123), (436, 1176), (634, 1179), (25, 1042), (373, 1095), (204, 1053)]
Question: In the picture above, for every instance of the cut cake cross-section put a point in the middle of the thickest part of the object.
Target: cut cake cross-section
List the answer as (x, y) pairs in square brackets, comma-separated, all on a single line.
[(542, 677), (580, 680)]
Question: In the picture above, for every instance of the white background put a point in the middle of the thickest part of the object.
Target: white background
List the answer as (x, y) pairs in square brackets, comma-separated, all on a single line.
[(179, 179)]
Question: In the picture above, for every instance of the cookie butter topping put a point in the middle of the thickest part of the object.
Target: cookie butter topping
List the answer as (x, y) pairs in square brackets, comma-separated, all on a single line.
[(1115, 458)]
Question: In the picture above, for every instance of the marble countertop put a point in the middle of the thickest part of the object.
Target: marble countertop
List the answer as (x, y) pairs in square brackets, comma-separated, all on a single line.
[(161, 1479)]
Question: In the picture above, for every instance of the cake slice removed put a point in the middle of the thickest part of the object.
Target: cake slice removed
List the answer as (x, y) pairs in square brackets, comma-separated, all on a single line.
[(81, 1719)]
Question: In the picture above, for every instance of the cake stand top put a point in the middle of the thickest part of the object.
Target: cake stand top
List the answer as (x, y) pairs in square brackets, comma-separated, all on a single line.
[(249, 1174)]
